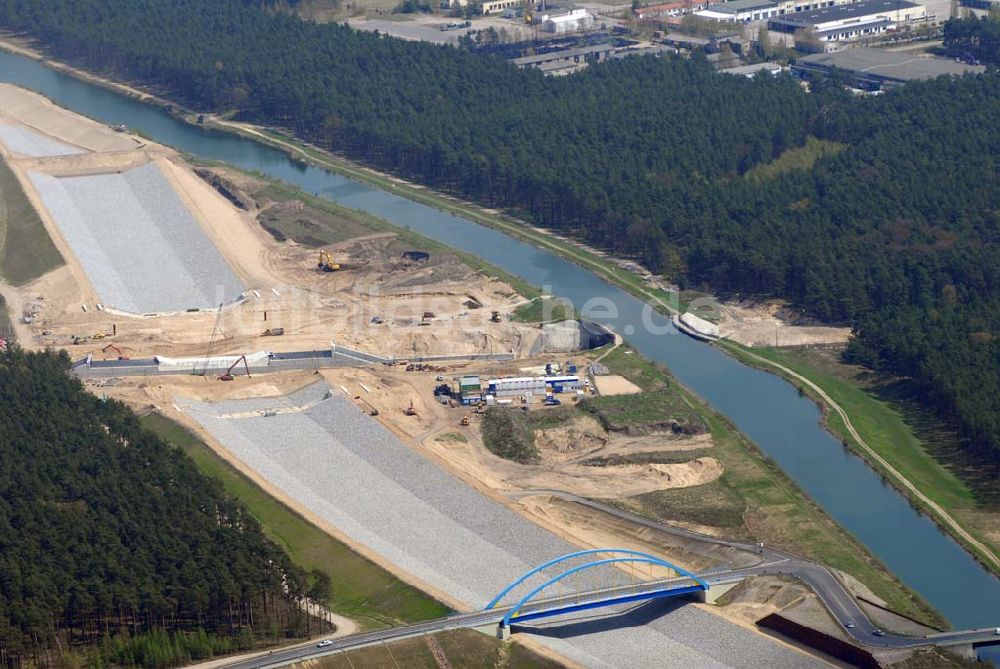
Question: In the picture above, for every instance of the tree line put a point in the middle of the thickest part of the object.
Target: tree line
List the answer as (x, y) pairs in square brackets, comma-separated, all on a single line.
[(113, 547), (894, 234)]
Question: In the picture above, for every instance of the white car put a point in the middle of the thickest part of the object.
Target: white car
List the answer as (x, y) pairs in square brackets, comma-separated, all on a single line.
[(324, 644)]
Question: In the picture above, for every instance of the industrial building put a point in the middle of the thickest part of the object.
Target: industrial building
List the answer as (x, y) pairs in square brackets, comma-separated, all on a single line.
[(569, 21), (876, 69), (850, 21), (668, 10), (741, 11), (521, 386), (749, 11), (497, 6), (566, 61)]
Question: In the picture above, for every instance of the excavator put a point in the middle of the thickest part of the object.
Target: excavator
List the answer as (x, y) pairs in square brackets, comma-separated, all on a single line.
[(326, 263), (121, 354), (228, 376)]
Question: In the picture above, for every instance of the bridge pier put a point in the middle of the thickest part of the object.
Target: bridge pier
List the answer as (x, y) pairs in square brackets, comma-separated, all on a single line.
[(503, 631)]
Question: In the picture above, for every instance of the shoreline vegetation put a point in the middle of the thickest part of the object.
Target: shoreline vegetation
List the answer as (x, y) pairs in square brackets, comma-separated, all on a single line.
[(898, 464), (665, 301)]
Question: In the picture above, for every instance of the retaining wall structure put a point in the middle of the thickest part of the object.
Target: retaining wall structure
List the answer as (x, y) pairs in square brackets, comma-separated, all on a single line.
[(259, 363), (141, 248)]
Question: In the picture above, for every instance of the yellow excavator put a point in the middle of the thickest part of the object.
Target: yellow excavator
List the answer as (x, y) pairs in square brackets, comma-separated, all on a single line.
[(326, 263)]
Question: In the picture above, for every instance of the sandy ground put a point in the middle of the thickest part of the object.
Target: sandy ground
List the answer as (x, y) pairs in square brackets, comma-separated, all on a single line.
[(286, 289), (769, 325), (615, 385), (40, 115)]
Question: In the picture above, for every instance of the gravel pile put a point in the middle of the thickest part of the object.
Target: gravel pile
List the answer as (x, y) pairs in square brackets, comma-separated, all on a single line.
[(353, 472), (27, 143), (141, 248)]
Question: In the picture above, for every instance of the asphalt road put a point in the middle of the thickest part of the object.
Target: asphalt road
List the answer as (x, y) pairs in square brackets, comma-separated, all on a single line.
[(837, 599)]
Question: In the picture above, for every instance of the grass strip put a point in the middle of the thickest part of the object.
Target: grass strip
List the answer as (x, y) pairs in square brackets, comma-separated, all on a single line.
[(361, 589)]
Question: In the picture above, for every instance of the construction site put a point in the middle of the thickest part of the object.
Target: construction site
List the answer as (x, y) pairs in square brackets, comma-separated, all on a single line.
[(173, 270), (347, 368)]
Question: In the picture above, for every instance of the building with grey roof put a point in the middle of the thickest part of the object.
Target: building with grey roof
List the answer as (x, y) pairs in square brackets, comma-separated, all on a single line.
[(874, 69), (850, 21)]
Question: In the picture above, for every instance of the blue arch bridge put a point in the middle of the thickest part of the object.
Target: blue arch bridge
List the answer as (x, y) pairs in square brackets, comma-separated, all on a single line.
[(591, 579)]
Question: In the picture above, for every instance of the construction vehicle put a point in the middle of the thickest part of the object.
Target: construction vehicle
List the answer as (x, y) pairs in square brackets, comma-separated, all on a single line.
[(228, 376), (326, 263), (495, 317), (368, 406), (465, 421), (273, 332), (410, 410), (121, 354)]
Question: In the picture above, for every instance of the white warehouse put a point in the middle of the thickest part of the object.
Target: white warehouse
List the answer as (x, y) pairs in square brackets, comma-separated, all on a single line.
[(574, 20)]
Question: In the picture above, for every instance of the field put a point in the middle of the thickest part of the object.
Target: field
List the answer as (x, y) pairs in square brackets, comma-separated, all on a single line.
[(799, 158), (26, 251), (361, 589), (659, 411), (458, 648)]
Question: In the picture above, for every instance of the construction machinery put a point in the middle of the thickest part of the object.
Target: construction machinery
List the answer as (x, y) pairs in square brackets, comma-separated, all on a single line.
[(326, 263), (410, 410), (465, 421), (495, 317), (228, 376), (368, 406), (121, 354), (273, 332)]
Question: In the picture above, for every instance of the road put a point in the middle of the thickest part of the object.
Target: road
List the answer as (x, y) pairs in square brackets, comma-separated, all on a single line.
[(828, 588), (835, 597)]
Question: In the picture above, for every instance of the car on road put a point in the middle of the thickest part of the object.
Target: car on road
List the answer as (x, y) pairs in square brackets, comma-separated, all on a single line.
[(324, 644), (878, 632), (849, 624)]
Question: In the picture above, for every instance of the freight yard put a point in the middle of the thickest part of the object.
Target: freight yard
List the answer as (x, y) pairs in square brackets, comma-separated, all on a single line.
[(395, 454)]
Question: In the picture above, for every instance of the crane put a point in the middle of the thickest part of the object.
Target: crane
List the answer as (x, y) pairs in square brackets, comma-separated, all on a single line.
[(326, 263), (228, 376)]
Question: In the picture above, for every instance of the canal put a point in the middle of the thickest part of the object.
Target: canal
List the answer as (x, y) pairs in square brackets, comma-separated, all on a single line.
[(764, 407)]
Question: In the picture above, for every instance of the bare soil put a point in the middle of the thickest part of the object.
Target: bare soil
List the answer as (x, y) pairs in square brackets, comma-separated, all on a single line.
[(379, 303), (773, 324)]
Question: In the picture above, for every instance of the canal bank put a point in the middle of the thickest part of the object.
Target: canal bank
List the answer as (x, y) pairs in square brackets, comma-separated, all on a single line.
[(764, 407)]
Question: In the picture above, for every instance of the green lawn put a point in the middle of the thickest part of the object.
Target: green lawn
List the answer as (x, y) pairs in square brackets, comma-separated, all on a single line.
[(361, 589), (26, 251), (544, 309)]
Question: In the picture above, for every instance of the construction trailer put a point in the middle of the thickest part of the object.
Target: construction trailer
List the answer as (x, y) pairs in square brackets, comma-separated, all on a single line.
[(470, 390), (532, 385)]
